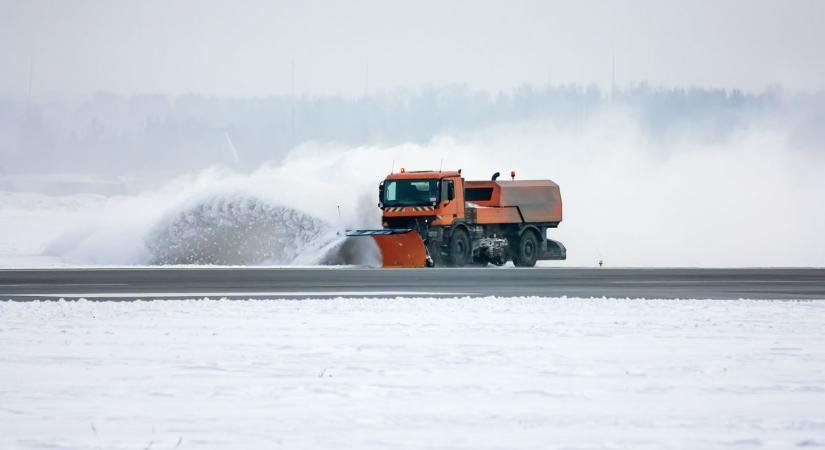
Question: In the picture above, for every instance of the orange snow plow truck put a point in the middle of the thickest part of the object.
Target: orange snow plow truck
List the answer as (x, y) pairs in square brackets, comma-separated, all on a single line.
[(438, 219)]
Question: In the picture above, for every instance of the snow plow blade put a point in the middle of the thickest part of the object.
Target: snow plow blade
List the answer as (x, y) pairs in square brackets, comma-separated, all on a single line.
[(399, 247)]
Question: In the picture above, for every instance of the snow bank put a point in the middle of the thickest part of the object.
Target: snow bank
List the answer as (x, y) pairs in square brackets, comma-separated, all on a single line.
[(483, 373)]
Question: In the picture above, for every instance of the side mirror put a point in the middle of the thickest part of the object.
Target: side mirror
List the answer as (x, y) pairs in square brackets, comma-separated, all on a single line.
[(380, 193), (450, 191)]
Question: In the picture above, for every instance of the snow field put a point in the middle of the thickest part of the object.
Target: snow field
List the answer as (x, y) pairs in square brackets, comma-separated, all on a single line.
[(413, 373)]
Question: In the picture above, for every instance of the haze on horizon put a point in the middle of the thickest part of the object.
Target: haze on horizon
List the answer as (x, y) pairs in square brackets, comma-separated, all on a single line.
[(351, 48)]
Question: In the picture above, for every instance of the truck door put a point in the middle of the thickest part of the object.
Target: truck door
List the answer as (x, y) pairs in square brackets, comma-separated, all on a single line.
[(451, 206)]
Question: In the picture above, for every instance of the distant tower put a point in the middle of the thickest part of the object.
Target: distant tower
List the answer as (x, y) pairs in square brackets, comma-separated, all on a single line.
[(292, 103), (612, 74), (367, 78), (31, 78), (613, 58), (549, 75), (366, 117)]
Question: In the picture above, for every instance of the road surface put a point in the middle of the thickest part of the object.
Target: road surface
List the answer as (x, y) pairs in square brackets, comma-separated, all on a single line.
[(170, 283)]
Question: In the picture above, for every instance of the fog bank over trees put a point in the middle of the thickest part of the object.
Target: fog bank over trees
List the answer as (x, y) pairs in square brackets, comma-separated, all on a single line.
[(156, 135)]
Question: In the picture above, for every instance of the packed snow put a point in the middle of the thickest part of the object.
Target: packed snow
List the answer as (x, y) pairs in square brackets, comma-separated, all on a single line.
[(468, 373)]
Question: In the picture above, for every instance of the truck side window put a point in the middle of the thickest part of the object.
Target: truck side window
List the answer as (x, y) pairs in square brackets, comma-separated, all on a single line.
[(391, 192), (447, 191), (478, 194)]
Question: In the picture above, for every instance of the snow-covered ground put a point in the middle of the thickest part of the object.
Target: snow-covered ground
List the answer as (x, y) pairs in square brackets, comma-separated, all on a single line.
[(413, 373)]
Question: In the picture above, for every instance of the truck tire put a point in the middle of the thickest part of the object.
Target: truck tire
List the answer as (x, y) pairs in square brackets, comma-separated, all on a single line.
[(527, 251), (458, 251)]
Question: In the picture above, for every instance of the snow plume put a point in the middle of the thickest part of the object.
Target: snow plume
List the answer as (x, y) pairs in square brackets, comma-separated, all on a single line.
[(232, 231), (274, 215), (750, 196), (238, 230)]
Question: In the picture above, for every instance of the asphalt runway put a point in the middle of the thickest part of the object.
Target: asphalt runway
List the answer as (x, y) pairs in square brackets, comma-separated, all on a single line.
[(302, 283)]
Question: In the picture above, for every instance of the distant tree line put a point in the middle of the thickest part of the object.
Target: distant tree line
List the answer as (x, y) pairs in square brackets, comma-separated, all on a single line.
[(115, 134)]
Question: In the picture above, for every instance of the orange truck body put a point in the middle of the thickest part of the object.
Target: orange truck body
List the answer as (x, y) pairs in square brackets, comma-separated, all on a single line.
[(468, 222)]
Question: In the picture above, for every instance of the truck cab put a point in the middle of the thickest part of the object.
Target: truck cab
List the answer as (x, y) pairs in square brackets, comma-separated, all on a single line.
[(434, 197)]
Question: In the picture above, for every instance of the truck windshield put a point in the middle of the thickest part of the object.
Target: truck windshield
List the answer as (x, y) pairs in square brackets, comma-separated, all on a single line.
[(410, 192)]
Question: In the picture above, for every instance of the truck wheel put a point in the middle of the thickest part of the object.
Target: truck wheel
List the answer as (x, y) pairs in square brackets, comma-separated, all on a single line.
[(459, 249), (527, 251)]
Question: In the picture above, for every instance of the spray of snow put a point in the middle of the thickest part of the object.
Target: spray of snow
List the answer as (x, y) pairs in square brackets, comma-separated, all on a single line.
[(271, 216), (232, 231)]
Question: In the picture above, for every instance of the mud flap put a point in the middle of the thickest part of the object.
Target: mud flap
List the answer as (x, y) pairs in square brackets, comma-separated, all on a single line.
[(399, 247), (555, 250)]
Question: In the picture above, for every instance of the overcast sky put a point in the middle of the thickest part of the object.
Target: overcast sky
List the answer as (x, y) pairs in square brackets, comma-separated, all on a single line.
[(246, 48)]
